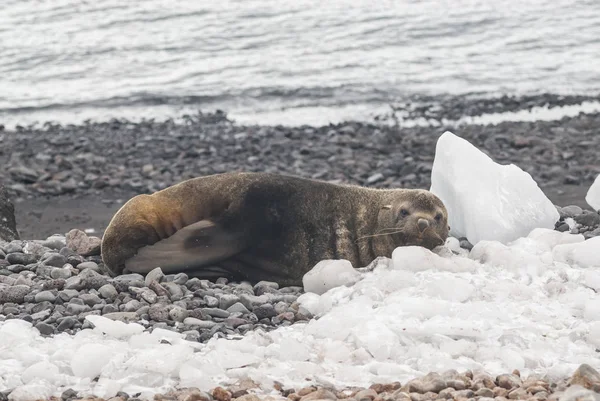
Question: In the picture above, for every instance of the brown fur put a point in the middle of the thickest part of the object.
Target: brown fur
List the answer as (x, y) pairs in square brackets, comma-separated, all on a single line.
[(282, 225)]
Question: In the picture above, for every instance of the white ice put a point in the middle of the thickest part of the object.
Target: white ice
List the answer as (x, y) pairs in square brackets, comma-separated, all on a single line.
[(593, 195), (328, 274), (530, 304), (487, 200)]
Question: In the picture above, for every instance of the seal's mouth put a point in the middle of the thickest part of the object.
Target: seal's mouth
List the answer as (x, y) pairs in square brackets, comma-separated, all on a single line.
[(428, 240)]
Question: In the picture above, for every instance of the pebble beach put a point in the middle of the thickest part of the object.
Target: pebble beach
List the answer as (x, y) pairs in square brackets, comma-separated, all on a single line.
[(53, 277)]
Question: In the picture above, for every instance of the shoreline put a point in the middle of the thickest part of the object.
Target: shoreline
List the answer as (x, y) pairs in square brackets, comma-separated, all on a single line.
[(76, 176)]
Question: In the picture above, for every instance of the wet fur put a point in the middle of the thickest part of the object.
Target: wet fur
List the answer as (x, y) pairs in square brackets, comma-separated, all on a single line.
[(271, 227)]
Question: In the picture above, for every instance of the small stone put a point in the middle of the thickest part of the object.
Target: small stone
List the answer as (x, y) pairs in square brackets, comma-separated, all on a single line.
[(192, 394), (175, 292), (178, 314), (89, 265), (132, 306), (306, 390), (67, 294), (124, 317), (464, 394), (108, 291), (90, 279), (15, 294), (215, 312), (536, 389), (585, 376), (517, 394), (252, 301), (508, 381), (158, 289), (55, 242), (66, 324), (264, 311), (226, 300), (235, 322), (83, 245), (375, 178), (54, 259), (45, 296), (202, 324), (75, 309), (68, 394), (500, 392), (484, 392), (60, 273), (148, 295), (108, 309), (44, 328), (180, 279), (248, 397), (158, 313), (90, 299), (368, 393), (587, 218), (21, 258), (220, 394), (154, 275), (320, 394), (211, 302), (238, 307)]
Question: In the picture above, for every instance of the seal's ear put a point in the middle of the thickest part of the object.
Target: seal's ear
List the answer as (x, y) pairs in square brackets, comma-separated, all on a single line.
[(386, 207), (194, 246)]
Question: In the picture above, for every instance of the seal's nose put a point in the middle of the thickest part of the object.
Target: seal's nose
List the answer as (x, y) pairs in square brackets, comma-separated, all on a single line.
[(422, 224)]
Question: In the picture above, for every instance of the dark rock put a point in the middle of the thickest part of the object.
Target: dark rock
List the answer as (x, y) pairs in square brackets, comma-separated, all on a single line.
[(21, 258), (265, 311), (589, 219), (8, 224), (15, 294), (44, 328)]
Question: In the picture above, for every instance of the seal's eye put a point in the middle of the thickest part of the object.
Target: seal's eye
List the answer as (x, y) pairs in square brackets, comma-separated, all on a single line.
[(403, 212), (438, 217)]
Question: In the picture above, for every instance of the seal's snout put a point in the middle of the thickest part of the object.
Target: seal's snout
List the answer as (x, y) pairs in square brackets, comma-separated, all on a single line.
[(423, 224)]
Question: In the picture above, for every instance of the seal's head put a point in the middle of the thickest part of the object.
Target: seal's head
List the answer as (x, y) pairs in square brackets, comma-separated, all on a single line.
[(415, 217)]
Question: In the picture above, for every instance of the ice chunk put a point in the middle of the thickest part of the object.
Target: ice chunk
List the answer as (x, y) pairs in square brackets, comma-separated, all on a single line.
[(28, 392), (552, 238), (584, 254), (591, 310), (417, 258), (328, 274), (450, 288), (376, 338), (106, 388), (487, 200), (114, 328), (90, 359), (42, 370), (310, 302), (593, 194)]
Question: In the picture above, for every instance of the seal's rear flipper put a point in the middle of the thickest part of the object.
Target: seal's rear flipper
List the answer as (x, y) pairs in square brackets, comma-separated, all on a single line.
[(191, 248)]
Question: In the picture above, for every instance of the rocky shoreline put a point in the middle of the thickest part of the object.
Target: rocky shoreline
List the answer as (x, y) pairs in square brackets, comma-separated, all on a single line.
[(96, 166), (56, 282), (583, 385)]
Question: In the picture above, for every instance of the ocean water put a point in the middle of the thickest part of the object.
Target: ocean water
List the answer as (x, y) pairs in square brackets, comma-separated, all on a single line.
[(296, 61)]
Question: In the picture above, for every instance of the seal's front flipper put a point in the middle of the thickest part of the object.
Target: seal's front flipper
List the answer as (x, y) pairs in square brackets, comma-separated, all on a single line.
[(194, 246)]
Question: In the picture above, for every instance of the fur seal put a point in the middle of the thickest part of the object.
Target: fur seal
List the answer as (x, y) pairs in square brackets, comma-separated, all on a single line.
[(263, 226)]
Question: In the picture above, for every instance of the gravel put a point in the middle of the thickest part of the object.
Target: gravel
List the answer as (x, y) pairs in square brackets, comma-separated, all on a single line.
[(119, 158), (200, 308), (583, 385)]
